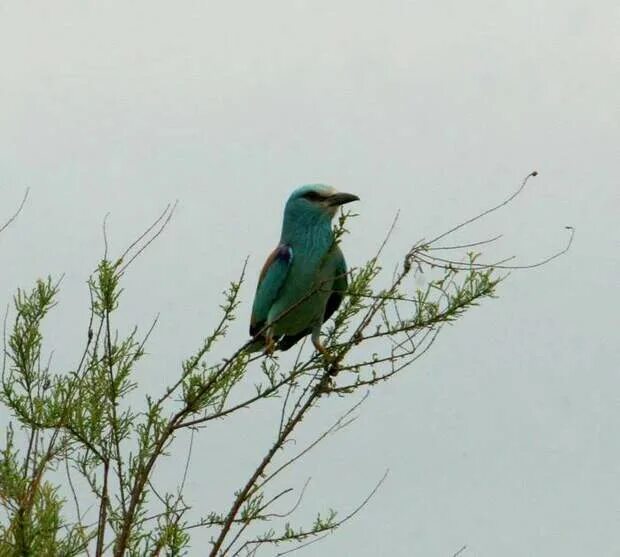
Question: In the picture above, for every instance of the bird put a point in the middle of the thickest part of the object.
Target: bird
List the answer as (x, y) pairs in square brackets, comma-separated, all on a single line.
[(304, 279)]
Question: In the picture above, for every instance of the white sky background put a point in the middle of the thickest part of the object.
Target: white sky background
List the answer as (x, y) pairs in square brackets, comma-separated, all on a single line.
[(505, 436)]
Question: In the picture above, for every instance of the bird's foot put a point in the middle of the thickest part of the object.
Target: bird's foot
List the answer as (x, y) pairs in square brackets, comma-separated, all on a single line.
[(331, 363), (320, 348), (270, 345)]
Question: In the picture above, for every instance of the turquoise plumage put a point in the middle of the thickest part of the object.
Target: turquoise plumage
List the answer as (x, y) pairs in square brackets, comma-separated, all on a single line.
[(304, 278)]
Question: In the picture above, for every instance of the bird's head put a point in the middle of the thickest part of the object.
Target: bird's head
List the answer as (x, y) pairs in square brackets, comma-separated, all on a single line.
[(318, 200), (309, 210)]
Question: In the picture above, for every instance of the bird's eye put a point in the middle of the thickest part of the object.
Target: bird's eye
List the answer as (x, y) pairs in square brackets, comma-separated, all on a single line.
[(313, 196)]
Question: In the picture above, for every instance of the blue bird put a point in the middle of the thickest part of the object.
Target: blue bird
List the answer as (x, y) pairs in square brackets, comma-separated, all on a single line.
[(304, 279)]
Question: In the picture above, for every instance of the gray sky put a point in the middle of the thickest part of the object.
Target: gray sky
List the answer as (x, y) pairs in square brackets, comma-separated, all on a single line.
[(504, 437)]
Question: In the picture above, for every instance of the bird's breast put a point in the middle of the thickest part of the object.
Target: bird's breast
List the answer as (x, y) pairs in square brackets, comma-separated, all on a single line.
[(303, 298)]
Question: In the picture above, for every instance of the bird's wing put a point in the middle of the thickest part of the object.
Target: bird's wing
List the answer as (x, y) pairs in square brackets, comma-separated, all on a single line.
[(270, 283), (339, 287)]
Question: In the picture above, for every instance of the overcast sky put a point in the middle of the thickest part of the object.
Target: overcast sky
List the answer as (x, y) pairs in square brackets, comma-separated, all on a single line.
[(504, 437)]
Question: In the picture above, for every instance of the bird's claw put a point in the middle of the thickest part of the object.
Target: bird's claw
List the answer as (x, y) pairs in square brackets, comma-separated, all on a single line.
[(270, 346), (331, 363)]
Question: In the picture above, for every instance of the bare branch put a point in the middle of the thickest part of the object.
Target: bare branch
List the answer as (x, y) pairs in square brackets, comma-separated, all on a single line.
[(342, 422), (432, 260), (161, 221), (470, 245), (16, 213), (487, 211)]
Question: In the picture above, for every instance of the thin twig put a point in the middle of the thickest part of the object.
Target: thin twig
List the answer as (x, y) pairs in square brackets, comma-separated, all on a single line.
[(340, 423), (470, 245), (246, 523), (487, 211), (104, 230), (328, 528), (431, 260), (16, 213), (303, 545), (103, 507), (170, 212)]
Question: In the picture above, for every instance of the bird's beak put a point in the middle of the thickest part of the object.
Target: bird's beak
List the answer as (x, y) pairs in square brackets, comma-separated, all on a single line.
[(337, 199)]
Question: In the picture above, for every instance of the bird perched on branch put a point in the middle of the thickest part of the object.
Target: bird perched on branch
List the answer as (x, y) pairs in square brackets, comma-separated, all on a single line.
[(303, 280)]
